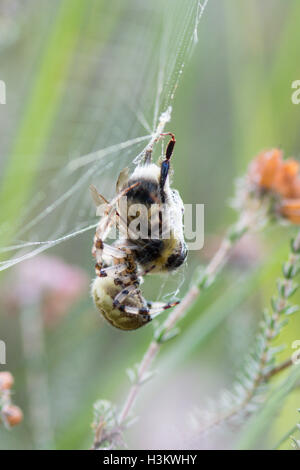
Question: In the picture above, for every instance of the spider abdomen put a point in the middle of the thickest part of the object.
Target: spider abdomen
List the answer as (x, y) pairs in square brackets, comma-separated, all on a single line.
[(104, 292)]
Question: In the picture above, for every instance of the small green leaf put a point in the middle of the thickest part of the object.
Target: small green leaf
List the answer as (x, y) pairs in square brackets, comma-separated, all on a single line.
[(291, 309)]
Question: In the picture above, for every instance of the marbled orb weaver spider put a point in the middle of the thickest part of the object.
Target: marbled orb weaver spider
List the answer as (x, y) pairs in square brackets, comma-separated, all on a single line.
[(120, 267)]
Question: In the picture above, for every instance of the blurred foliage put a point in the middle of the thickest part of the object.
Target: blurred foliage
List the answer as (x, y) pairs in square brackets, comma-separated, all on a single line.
[(66, 97)]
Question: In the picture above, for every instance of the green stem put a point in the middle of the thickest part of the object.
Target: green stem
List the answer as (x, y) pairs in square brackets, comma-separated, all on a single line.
[(271, 327), (207, 278), (285, 437)]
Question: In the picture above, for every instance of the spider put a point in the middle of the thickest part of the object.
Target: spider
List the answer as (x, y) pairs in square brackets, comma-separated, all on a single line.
[(120, 267)]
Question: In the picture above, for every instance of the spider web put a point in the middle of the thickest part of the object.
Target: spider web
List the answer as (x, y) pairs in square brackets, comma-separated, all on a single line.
[(117, 99)]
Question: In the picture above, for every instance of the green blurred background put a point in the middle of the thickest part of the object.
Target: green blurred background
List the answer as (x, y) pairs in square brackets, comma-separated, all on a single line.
[(83, 76)]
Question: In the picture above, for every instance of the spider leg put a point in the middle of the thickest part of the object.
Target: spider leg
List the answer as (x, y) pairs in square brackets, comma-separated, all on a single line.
[(121, 296), (148, 155), (146, 271), (126, 279), (150, 311), (107, 218), (110, 271), (100, 248), (155, 308), (162, 305), (134, 310), (97, 197), (124, 230), (103, 228), (122, 218), (110, 212), (123, 193)]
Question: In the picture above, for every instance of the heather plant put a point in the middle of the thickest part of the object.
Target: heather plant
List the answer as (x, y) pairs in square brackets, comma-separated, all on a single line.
[(258, 203), (10, 414)]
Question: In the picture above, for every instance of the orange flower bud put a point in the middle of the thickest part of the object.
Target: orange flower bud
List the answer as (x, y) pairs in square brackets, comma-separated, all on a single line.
[(270, 172), (265, 167), (13, 415), (290, 209), (6, 380), (285, 181)]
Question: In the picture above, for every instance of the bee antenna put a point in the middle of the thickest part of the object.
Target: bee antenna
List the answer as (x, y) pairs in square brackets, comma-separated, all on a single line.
[(165, 165), (170, 146)]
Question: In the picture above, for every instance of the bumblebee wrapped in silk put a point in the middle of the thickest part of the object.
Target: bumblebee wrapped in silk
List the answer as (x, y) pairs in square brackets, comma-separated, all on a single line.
[(158, 248)]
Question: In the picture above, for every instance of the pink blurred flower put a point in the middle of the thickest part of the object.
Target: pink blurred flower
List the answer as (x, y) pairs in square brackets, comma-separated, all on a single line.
[(49, 281)]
